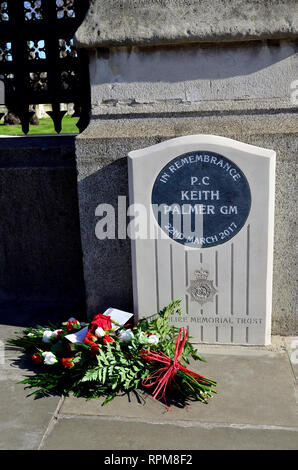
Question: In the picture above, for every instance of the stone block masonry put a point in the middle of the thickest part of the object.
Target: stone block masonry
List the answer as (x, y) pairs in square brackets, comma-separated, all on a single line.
[(230, 74), (41, 276)]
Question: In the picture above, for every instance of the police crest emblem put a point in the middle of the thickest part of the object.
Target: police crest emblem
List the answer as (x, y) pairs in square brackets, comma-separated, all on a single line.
[(201, 288)]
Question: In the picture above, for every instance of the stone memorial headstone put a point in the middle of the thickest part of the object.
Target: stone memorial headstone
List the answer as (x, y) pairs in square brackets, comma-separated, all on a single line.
[(203, 232)]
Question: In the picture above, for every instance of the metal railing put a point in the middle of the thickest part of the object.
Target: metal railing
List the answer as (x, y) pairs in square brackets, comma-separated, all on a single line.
[(38, 61)]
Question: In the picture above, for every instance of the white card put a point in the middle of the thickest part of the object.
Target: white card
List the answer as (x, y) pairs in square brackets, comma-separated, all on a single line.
[(117, 315), (78, 337)]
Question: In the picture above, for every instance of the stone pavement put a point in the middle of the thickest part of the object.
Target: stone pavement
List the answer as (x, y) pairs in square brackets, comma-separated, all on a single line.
[(255, 408)]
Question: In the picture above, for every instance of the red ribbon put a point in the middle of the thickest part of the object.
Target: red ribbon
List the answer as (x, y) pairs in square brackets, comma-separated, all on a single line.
[(164, 377)]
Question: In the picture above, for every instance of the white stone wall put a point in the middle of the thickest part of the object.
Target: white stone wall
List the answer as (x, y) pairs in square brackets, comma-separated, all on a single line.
[(193, 74)]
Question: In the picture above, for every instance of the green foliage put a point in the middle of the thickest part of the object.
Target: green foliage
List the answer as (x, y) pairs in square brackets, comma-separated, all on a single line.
[(115, 368), (168, 333)]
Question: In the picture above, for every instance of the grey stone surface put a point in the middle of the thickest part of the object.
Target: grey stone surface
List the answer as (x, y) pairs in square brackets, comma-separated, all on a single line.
[(255, 387), (100, 434), (153, 22), (195, 75), (291, 343), (40, 253), (107, 263), (136, 128), (109, 140), (23, 419), (143, 95), (255, 409)]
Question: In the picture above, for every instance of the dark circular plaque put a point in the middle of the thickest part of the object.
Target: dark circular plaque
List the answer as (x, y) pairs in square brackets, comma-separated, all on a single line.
[(201, 199)]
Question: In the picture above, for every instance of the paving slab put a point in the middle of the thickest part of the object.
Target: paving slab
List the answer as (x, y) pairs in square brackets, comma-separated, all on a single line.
[(83, 433), (23, 419), (291, 343), (255, 387), (255, 408)]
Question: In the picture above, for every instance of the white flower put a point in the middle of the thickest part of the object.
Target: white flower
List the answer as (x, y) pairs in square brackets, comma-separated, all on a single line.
[(143, 337), (126, 335), (49, 358), (47, 336), (153, 339), (30, 334), (99, 332)]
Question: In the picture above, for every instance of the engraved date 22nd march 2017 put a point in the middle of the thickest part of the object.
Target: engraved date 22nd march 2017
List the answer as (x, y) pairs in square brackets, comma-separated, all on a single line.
[(201, 241)]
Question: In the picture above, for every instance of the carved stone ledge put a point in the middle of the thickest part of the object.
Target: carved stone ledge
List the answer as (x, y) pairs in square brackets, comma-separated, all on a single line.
[(111, 23)]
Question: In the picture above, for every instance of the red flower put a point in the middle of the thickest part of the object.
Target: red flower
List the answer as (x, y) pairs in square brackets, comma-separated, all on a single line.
[(59, 334), (90, 340), (94, 349), (70, 324), (36, 358), (67, 362), (100, 321), (107, 339)]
